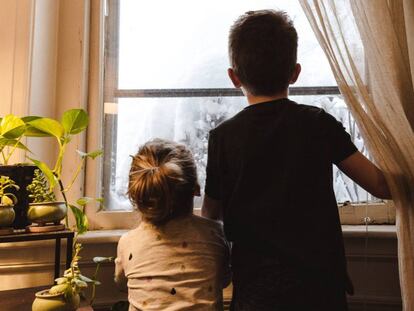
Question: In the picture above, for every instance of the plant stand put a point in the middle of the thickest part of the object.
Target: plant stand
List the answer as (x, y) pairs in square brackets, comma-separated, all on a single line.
[(45, 228), (6, 231), (57, 235)]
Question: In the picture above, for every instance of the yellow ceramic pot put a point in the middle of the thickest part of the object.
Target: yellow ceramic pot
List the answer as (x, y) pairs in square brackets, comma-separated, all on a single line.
[(7, 215), (54, 302), (47, 212)]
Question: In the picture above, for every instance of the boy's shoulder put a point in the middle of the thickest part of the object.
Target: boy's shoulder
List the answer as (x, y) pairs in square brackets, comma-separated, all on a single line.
[(207, 222), (301, 111)]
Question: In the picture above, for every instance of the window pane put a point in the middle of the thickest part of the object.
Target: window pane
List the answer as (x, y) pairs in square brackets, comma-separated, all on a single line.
[(183, 43), (188, 120)]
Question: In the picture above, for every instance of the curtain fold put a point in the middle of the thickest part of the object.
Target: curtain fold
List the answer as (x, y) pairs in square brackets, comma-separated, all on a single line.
[(371, 53)]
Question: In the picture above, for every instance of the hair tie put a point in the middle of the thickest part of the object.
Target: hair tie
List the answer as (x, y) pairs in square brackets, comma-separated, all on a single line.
[(144, 170)]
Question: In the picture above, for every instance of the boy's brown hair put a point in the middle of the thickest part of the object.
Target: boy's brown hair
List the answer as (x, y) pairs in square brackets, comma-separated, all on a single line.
[(263, 51), (162, 181)]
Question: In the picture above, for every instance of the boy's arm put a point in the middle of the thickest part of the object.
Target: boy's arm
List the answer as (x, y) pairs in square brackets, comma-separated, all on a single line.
[(211, 208), (365, 174)]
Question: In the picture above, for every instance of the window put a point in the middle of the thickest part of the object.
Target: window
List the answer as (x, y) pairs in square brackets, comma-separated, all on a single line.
[(166, 76)]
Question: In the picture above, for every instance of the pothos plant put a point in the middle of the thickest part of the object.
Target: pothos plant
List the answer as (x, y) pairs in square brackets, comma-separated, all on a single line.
[(73, 122), (12, 130), (73, 282), (7, 198)]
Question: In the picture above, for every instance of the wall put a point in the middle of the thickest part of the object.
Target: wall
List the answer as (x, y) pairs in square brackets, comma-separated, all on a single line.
[(16, 25), (373, 266)]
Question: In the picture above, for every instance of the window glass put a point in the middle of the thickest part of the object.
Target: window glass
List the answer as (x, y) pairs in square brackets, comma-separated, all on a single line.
[(183, 43), (188, 121)]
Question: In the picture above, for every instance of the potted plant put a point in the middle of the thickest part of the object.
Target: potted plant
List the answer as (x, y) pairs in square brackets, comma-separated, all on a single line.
[(65, 295), (44, 208), (7, 202), (73, 122), (12, 131)]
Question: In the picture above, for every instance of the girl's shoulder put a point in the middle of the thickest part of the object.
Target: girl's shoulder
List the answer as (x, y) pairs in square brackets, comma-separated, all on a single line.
[(130, 234)]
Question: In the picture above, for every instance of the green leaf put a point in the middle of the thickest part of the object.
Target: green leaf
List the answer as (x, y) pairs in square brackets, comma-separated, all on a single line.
[(47, 126), (11, 143), (82, 223), (84, 200), (12, 127), (81, 284), (75, 121), (30, 130), (27, 119), (58, 289), (51, 178), (92, 154), (6, 201), (85, 279), (61, 280), (102, 259)]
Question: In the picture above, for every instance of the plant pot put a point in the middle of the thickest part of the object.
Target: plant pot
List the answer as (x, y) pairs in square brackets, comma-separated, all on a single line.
[(45, 301), (22, 174), (46, 212), (7, 215)]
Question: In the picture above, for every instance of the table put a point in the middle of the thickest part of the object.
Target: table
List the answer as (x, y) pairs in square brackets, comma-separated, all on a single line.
[(54, 235)]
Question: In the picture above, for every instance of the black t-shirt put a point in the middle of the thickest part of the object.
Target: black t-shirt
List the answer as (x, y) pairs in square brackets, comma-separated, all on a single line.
[(271, 167)]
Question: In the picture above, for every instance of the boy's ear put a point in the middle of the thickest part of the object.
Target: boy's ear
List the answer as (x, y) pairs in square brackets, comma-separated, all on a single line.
[(234, 78), (296, 73)]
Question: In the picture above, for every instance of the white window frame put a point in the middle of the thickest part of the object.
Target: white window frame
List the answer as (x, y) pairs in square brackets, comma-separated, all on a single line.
[(101, 91)]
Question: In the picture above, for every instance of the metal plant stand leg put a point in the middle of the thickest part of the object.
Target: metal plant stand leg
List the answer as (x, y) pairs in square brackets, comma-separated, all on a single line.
[(69, 250), (57, 258)]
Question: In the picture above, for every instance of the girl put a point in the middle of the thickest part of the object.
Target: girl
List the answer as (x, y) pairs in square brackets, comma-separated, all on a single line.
[(173, 260)]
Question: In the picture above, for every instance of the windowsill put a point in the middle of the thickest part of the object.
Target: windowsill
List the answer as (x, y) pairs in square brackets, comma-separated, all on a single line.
[(113, 236), (349, 231), (374, 231)]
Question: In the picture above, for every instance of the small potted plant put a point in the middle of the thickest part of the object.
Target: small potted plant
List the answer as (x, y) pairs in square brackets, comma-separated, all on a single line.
[(65, 295), (44, 209), (7, 201)]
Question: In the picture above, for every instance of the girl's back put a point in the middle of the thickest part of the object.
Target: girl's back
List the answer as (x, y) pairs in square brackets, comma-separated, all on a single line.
[(181, 265)]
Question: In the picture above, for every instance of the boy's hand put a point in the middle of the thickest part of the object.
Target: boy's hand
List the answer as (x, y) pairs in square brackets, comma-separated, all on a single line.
[(366, 174)]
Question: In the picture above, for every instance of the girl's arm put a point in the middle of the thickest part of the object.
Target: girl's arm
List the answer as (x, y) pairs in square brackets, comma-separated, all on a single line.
[(120, 278)]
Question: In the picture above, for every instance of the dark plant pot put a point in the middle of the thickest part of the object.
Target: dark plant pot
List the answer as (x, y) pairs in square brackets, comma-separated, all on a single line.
[(22, 174)]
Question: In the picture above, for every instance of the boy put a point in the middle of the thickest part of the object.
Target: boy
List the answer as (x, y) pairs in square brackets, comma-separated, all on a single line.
[(269, 178)]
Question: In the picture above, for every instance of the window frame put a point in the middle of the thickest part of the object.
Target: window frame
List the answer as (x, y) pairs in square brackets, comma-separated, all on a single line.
[(105, 24)]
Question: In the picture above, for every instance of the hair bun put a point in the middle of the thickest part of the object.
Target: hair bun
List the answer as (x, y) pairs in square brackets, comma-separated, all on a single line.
[(162, 180)]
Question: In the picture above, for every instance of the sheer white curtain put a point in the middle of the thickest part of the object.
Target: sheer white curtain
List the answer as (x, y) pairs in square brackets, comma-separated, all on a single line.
[(370, 47)]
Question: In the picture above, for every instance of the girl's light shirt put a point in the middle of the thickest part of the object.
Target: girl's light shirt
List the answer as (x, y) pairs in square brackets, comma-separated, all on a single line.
[(182, 265)]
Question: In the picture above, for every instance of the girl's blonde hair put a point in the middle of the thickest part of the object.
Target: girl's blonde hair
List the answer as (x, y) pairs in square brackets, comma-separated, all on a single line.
[(162, 180)]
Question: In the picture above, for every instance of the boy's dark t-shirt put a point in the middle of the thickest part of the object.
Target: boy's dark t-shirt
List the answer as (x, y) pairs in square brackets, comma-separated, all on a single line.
[(271, 167)]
